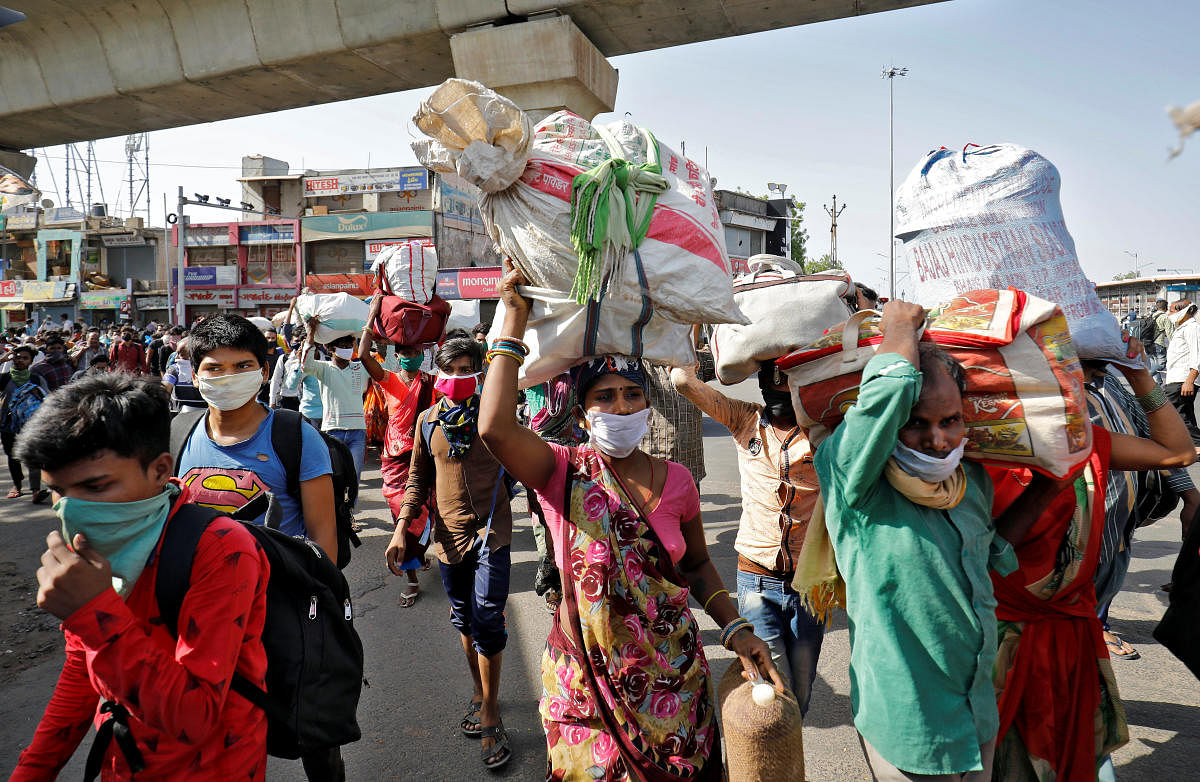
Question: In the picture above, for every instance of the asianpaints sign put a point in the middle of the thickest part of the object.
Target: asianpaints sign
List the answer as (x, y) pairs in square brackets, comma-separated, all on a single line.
[(477, 282)]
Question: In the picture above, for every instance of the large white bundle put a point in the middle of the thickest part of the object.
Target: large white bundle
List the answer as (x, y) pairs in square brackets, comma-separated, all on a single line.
[(990, 217), (338, 314), (680, 272), (409, 269)]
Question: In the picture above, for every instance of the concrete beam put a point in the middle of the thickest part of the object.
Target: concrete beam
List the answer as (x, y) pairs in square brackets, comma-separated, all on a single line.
[(84, 69), (543, 66)]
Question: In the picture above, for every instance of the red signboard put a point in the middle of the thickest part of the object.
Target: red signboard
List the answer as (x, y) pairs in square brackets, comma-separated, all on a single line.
[(10, 289), (479, 282), (354, 284)]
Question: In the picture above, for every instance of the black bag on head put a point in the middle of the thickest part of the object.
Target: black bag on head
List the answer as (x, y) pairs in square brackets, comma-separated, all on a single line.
[(314, 654), (287, 440)]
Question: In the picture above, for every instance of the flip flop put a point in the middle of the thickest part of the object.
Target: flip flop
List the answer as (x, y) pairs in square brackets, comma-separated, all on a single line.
[(498, 754), (470, 724), (409, 596), (14, 493), (1117, 650)]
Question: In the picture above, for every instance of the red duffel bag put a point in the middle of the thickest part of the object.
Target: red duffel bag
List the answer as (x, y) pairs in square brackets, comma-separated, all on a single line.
[(410, 324)]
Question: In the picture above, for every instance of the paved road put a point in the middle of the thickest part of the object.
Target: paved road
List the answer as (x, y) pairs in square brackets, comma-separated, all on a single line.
[(415, 668)]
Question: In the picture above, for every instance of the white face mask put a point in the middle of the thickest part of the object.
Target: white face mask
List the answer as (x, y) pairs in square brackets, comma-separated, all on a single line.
[(344, 353), (617, 435), (1177, 317), (928, 468), (230, 391)]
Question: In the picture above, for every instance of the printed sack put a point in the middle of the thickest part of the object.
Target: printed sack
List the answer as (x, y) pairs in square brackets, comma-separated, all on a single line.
[(338, 314), (990, 217), (408, 270), (1024, 405), (787, 309), (605, 218)]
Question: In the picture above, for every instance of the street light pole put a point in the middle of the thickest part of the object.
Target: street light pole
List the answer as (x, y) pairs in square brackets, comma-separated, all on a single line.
[(890, 74)]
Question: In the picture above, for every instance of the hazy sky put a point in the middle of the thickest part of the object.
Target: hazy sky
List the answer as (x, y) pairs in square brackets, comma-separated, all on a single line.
[(1083, 83)]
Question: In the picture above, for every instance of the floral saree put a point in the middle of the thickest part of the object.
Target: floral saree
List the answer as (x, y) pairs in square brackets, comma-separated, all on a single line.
[(626, 689), (1060, 713)]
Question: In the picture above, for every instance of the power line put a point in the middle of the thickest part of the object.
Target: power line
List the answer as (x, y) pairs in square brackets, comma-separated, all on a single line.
[(164, 165)]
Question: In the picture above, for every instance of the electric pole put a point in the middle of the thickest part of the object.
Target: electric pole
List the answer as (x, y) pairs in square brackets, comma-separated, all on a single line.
[(890, 74), (833, 213)]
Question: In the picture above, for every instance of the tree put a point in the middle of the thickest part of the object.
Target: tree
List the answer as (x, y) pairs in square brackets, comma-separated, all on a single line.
[(825, 263), (1127, 276)]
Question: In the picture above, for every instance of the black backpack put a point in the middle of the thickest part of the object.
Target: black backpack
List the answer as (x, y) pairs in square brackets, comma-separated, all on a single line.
[(1179, 631), (314, 654), (287, 440), (1146, 329)]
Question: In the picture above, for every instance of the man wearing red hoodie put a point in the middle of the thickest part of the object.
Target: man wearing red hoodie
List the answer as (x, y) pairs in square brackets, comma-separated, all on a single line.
[(103, 445)]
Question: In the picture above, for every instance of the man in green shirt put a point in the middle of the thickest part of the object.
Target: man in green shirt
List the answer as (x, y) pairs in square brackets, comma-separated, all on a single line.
[(912, 529)]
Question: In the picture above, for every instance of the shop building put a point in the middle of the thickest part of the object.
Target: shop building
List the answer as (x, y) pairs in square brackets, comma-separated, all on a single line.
[(752, 226), (247, 268), (1139, 294)]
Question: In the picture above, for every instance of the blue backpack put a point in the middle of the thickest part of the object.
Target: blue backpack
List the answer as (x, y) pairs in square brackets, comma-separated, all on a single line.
[(23, 402)]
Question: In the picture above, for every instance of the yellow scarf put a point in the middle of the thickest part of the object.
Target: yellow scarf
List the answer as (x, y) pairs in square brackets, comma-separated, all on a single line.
[(817, 579)]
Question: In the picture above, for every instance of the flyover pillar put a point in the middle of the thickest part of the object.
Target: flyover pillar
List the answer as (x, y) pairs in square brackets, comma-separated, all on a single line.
[(543, 66)]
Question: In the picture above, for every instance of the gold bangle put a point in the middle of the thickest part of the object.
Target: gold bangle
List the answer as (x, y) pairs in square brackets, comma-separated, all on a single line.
[(710, 598)]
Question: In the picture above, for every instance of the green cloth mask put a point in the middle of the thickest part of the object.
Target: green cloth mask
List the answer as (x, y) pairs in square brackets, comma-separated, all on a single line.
[(21, 376), (124, 533), (411, 363)]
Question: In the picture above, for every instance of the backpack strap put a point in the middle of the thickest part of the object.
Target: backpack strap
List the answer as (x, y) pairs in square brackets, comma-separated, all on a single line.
[(428, 424), (287, 438), (182, 427), (180, 538)]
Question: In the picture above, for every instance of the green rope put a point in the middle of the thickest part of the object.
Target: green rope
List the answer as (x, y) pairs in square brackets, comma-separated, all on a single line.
[(606, 209)]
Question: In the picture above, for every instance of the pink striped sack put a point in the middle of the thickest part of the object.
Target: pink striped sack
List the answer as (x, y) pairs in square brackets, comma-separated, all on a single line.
[(408, 270)]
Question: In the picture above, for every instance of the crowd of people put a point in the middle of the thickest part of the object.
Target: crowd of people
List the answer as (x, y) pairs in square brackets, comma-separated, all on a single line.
[(977, 597)]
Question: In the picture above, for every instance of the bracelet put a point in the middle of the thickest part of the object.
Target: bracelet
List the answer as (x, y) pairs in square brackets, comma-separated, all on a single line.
[(733, 628), (710, 598), (511, 343), (1153, 400), (496, 352)]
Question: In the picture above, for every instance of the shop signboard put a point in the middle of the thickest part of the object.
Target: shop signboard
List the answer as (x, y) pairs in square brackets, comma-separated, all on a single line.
[(369, 225), (145, 303), (457, 205), (380, 180), (206, 275), (249, 298), (477, 282), (21, 222), (354, 284), (273, 233), (221, 297), (45, 291), (375, 246), (10, 290), (62, 214), (123, 240), (208, 236), (103, 300)]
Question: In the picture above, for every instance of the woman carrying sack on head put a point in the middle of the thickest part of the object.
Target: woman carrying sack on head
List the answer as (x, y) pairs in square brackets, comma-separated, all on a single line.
[(626, 685)]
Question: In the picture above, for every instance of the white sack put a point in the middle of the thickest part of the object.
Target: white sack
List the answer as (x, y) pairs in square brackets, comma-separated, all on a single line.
[(464, 314), (526, 208), (339, 314), (787, 308), (990, 217), (557, 334), (410, 269)]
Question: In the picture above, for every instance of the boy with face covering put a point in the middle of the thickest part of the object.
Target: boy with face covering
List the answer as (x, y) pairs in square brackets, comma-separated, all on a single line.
[(912, 529), (342, 381), (779, 490), (472, 532), (102, 443)]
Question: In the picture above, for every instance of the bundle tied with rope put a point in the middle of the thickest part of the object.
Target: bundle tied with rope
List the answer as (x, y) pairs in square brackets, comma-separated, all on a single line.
[(617, 234), (763, 743)]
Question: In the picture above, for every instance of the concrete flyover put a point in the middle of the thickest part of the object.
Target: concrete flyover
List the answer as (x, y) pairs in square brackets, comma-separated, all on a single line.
[(84, 69)]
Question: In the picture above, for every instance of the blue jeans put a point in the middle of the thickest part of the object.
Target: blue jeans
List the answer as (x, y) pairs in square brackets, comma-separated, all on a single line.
[(792, 633), (477, 588), (356, 441)]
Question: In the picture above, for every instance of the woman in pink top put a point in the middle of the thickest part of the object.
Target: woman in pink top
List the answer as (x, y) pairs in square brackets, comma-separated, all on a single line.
[(626, 686)]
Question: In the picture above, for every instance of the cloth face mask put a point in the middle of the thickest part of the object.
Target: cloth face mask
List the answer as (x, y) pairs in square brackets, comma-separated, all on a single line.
[(617, 435), (230, 391), (1177, 317), (344, 353), (411, 363), (928, 468), (124, 533), (456, 387)]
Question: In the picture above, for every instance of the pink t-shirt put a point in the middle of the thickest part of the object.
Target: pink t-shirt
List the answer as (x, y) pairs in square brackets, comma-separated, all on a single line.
[(680, 502)]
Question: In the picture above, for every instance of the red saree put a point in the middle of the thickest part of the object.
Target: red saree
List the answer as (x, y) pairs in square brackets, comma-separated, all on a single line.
[(1053, 679)]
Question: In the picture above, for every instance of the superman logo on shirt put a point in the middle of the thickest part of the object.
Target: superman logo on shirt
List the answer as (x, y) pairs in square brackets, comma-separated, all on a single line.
[(223, 489)]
